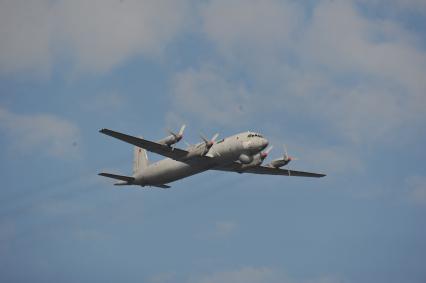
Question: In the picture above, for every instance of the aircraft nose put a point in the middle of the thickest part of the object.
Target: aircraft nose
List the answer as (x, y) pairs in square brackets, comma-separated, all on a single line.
[(264, 143)]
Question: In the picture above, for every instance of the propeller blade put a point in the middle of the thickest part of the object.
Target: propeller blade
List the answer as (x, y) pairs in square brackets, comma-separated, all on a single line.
[(178, 135), (203, 137), (172, 133), (182, 129), (285, 152), (265, 153), (269, 149), (208, 142), (215, 137)]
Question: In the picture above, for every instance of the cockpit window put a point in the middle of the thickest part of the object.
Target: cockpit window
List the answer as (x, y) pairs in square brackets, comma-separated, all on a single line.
[(254, 135)]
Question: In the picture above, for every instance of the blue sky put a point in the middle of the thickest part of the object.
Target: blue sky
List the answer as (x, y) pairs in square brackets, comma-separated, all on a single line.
[(342, 83)]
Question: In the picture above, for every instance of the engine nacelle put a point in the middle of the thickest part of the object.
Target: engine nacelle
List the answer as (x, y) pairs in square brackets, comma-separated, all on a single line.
[(280, 163), (197, 150), (173, 137), (256, 160), (245, 159), (170, 140)]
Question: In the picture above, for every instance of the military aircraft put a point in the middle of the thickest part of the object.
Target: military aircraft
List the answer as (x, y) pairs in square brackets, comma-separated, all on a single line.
[(241, 153)]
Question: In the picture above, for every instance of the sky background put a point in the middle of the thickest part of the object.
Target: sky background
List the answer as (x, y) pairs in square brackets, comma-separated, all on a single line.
[(342, 83)]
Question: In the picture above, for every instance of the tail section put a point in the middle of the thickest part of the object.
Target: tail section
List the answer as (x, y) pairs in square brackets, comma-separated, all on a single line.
[(140, 160), (125, 180)]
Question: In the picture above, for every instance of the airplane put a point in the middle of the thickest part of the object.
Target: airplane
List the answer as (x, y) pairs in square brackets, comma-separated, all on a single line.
[(240, 153)]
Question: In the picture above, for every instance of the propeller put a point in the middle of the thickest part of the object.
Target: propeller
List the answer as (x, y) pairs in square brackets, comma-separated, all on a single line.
[(286, 157), (209, 143), (178, 136), (265, 153), (280, 162)]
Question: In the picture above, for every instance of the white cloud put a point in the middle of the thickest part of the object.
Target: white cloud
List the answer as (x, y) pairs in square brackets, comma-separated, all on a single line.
[(360, 114), (340, 38), (206, 94), (103, 34), (25, 34), (98, 35), (383, 61), (260, 26), (253, 36), (361, 77), (40, 132)]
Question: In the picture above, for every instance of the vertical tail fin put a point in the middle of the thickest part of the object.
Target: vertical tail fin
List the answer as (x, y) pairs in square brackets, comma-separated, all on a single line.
[(140, 160)]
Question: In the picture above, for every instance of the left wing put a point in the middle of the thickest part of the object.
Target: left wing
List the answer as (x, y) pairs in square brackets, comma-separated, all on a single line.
[(236, 167), (173, 153)]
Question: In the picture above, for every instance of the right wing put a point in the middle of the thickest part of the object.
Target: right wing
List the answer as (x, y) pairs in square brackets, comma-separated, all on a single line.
[(237, 167), (164, 150)]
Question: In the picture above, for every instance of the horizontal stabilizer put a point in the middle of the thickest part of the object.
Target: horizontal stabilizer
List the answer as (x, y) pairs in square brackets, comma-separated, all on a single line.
[(161, 186), (127, 179)]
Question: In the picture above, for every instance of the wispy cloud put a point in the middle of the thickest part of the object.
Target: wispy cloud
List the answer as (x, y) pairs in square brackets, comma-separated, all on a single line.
[(96, 35), (103, 34), (105, 102), (25, 33), (240, 28), (41, 133), (205, 94), (361, 77)]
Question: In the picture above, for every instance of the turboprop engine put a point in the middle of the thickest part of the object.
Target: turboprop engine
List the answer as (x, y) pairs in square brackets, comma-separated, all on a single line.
[(173, 137), (256, 159), (202, 148), (280, 162)]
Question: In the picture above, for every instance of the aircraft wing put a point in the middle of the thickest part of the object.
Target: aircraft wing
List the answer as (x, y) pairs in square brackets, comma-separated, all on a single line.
[(173, 153), (237, 167)]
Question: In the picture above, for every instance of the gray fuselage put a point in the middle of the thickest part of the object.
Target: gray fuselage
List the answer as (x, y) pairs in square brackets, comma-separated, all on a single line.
[(223, 152)]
